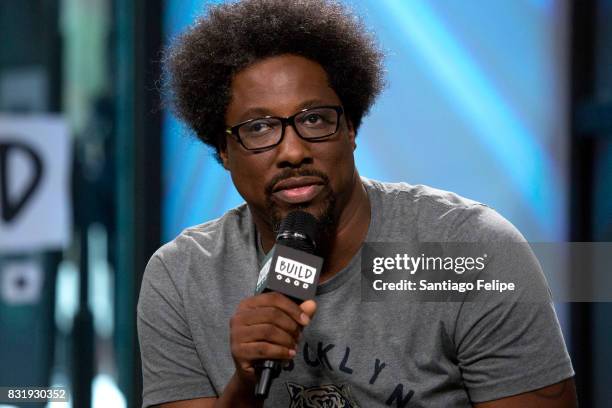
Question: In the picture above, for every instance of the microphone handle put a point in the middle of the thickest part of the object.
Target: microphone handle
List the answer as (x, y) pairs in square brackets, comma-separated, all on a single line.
[(270, 369)]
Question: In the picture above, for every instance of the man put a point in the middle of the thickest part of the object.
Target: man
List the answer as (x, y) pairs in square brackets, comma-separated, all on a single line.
[(279, 90)]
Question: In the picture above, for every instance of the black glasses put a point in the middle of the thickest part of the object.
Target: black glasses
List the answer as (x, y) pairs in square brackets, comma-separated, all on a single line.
[(310, 124)]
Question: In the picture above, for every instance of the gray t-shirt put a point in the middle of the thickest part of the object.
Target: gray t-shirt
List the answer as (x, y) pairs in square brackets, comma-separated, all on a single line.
[(354, 353)]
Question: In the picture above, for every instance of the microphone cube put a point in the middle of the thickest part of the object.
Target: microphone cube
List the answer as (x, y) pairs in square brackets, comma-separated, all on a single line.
[(291, 272)]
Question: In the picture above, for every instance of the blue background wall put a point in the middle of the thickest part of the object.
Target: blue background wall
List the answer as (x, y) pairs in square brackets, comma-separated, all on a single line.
[(476, 104)]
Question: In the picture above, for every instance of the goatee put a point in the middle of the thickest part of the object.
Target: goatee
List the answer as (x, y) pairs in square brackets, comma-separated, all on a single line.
[(325, 218)]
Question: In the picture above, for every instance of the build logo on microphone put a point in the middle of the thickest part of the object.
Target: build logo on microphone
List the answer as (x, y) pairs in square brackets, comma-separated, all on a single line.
[(296, 271), (290, 271)]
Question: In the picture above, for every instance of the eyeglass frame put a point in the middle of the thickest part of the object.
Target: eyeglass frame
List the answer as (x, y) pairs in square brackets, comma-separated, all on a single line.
[(290, 120)]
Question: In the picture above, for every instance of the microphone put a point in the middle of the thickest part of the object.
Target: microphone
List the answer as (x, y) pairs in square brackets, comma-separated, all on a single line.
[(290, 268)]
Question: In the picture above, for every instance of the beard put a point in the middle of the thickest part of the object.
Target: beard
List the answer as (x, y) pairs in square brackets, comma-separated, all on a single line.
[(325, 209)]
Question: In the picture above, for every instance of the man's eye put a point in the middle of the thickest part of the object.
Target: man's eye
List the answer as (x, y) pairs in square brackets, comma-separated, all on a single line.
[(258, 127), (312, 119)]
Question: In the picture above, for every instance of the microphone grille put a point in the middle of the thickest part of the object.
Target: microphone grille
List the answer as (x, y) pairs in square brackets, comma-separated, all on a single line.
[(298, 230)]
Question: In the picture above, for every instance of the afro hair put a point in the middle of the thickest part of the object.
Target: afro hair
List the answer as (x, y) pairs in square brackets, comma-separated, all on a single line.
[(201, 63)]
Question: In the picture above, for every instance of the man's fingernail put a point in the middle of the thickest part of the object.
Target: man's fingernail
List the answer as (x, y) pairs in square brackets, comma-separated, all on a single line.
[(292, 353), (304, 318)]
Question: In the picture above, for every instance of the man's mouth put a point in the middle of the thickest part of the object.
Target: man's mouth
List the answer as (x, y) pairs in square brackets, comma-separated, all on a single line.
[(297, 190)]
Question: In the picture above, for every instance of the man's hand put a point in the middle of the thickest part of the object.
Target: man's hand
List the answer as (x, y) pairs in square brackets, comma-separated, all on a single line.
[(266, 327)]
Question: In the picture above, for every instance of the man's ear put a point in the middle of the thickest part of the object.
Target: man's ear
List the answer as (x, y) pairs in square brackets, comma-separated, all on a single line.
[(222, 149), (351, 133)]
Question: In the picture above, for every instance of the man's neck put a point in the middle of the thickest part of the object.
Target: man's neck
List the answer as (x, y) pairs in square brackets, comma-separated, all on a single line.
[(346, 238)]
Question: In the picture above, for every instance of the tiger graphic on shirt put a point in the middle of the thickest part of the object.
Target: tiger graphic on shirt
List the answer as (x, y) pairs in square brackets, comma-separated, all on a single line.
[(324, 396)]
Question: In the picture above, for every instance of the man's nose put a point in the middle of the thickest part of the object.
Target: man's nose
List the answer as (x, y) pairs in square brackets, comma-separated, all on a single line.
[(293, 151)]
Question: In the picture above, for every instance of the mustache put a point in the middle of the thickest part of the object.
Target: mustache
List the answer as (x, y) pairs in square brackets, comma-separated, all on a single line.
[(288, 173)]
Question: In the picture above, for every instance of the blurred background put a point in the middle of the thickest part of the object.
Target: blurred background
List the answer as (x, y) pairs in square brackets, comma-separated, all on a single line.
[(506, 102)]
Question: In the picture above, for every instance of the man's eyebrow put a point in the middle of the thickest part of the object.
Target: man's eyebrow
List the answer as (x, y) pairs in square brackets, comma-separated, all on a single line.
[(313, 103), (254, 113)]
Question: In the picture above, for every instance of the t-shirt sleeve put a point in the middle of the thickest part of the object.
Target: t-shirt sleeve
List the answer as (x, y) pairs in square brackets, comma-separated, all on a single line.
[(171, 368), (509, 343)]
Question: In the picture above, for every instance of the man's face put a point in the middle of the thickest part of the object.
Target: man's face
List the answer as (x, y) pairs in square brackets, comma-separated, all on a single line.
[(317, 177)]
